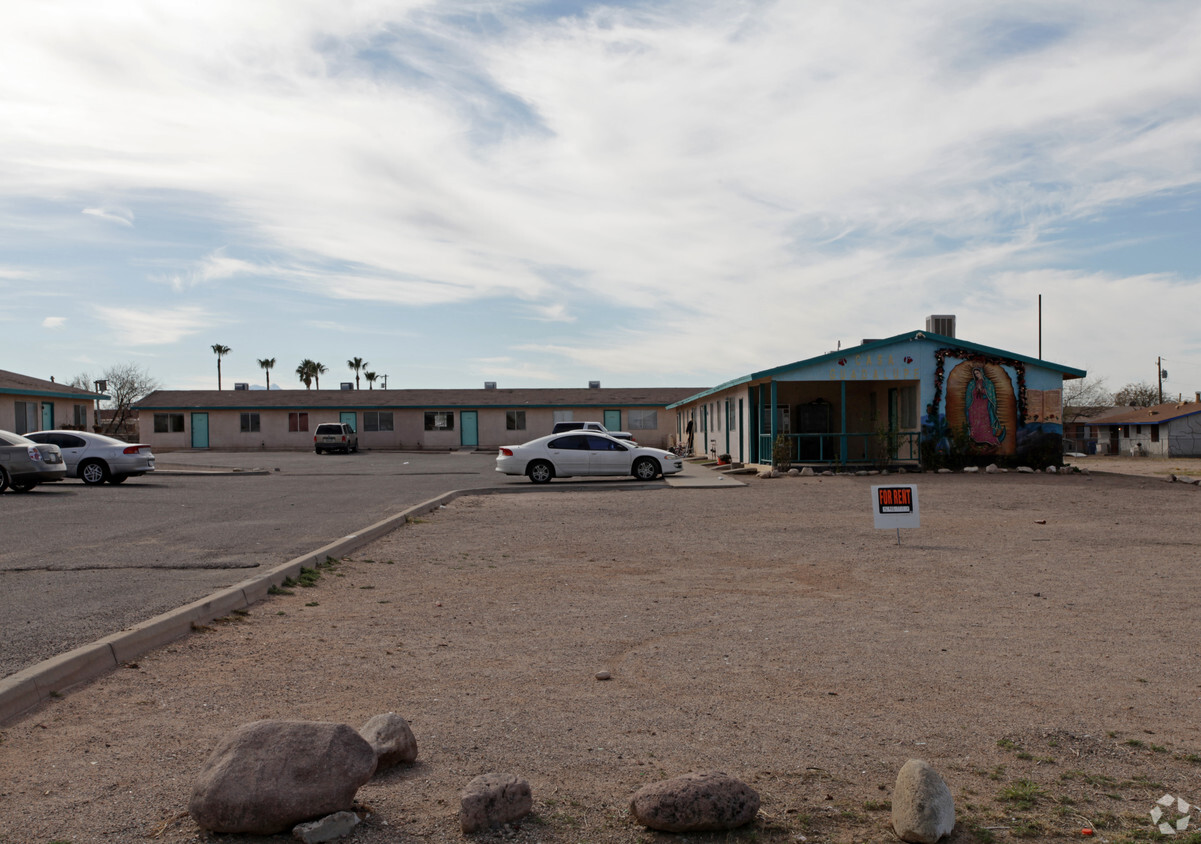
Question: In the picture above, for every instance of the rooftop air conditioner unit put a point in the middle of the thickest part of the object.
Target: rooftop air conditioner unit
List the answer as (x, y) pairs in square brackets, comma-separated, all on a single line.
[(943, 324), (241, 385), (347, 385), (594, 385), (489, 385)]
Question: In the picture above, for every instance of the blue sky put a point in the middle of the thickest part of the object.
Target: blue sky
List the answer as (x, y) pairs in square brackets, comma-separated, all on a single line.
[(543, 194)]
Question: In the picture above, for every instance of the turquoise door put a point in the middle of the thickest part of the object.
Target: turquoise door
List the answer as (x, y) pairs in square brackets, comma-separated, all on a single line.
[(47, 415), (613, 420), (469, 430), (200, 430), (348, 417)]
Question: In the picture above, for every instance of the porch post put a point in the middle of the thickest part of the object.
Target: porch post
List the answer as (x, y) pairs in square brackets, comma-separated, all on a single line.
[(772, 445), (842, 441)]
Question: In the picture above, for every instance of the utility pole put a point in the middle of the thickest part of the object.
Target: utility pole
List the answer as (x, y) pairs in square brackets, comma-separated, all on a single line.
[(1159, 372)]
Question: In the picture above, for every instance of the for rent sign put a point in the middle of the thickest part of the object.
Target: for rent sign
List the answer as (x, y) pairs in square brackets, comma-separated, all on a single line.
[(895, 506)]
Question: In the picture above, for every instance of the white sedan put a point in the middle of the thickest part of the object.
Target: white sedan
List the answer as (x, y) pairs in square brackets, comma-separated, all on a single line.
[(95, 458), (579, 453)]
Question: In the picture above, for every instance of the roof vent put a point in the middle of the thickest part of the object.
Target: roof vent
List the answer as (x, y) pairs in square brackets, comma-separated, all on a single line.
[(347, 385), (241, 385), (943, 324), (489, 385), (594, 385)]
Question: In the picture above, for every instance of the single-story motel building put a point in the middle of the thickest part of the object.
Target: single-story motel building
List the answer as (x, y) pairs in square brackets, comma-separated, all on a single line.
[(30, 404), (916, 399)]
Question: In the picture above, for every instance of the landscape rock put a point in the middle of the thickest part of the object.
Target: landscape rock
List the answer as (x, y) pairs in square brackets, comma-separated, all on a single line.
[(991, 468), (1051, 470), (971, 469), (1025, 470), (493, 799), (923, 810), (391, 738), (792, 473), (944, 471), (808, 472), (703, 801), (267, 776), (330, 828)]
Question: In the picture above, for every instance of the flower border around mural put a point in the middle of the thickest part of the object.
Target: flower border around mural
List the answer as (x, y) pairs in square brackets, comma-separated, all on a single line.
[(941, 355)]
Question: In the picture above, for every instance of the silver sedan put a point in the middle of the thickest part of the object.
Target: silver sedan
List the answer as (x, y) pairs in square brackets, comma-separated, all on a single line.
[(95, 458), (24, 464), (577, 453)]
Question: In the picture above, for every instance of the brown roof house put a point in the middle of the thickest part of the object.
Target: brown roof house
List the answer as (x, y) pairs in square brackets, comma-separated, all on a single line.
[(1172, 429), (30, 404)]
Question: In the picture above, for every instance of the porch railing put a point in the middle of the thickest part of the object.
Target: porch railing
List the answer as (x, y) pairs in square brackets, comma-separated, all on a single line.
[(858, 448)]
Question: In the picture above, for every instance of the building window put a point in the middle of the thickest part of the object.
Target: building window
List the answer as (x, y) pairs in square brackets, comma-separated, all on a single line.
[(644, 420), (731, 416), (168, 423), (1154, 433), (298, 422), (377, 420), (250, 423), (908, 407), (1138, 429), (514, 420), (439, 420), (81, 416), (563, 416), (26, 417)]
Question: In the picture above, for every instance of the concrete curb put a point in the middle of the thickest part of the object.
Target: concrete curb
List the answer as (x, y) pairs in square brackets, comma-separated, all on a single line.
[(25, 690)]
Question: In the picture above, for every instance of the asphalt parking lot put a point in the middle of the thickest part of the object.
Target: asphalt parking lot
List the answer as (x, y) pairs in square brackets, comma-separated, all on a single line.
[(79, 562)]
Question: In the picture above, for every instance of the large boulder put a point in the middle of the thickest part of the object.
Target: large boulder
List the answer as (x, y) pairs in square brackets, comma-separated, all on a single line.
[(923, 810), (267, 776), (391, 738), (492, 800), (703, 801)]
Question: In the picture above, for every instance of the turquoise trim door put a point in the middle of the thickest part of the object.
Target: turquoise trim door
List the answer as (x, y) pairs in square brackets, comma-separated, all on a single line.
[(200, 430), (469, 428), (47, 415), (613, 420), (348, 417)]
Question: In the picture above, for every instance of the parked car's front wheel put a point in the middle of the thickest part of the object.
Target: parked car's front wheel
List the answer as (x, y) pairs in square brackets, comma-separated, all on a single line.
[(3, 481), (93, 472), (646, 469), (540, 472)]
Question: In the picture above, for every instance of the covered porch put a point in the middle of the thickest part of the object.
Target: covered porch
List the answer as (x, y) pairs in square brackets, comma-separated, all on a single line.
[(841, 423)]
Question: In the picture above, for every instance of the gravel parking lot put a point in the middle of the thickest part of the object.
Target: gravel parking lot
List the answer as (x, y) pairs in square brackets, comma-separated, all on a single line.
[(1031, 640)]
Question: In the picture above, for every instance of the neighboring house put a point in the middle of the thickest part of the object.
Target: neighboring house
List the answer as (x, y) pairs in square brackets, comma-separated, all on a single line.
[(919, 398), (397, 419), (1172, 429), (30, 404)]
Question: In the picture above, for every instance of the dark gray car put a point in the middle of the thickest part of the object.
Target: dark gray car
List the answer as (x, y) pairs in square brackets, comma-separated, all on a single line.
[(24, 464)]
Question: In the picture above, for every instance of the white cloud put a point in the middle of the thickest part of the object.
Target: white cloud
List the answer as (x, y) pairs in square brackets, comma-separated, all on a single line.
[(123, 216), (53, 322), (215, 266), (153, 327)]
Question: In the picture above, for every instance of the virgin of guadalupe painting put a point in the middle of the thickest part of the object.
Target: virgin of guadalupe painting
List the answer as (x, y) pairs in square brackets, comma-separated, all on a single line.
[(981, 403)]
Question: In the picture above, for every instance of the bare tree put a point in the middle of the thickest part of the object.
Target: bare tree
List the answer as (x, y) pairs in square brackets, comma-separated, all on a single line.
[(220, 351), (1083, 395), (127, 382), (1141, 394)]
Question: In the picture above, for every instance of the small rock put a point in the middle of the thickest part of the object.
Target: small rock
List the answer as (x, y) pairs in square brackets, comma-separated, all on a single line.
[(991, 469), (603, 675), (704, 801), (330, 828), (492, 800), (792, 473), (1040, 521), (971, 469), (944, 471), (391, 738), (923, 810), (808, 472), (1051, 470), (1025, 470)]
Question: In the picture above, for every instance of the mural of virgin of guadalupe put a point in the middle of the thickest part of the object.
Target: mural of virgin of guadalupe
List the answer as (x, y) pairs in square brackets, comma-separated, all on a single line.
[(981, 403)]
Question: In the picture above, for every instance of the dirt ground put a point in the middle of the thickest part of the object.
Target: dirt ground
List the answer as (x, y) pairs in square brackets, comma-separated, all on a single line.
[(1035, 640)]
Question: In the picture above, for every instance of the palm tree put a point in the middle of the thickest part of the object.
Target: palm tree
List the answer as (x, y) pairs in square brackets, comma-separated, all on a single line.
[(318, 370), (356, 365), (370, 376), (266, 364), (305, 371), (220, 351)]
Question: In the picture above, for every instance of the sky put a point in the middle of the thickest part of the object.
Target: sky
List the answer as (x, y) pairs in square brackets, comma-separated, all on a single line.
[(544, 194)]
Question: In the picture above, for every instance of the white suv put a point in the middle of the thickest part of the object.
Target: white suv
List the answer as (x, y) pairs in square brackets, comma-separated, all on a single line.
[(335, 436)]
